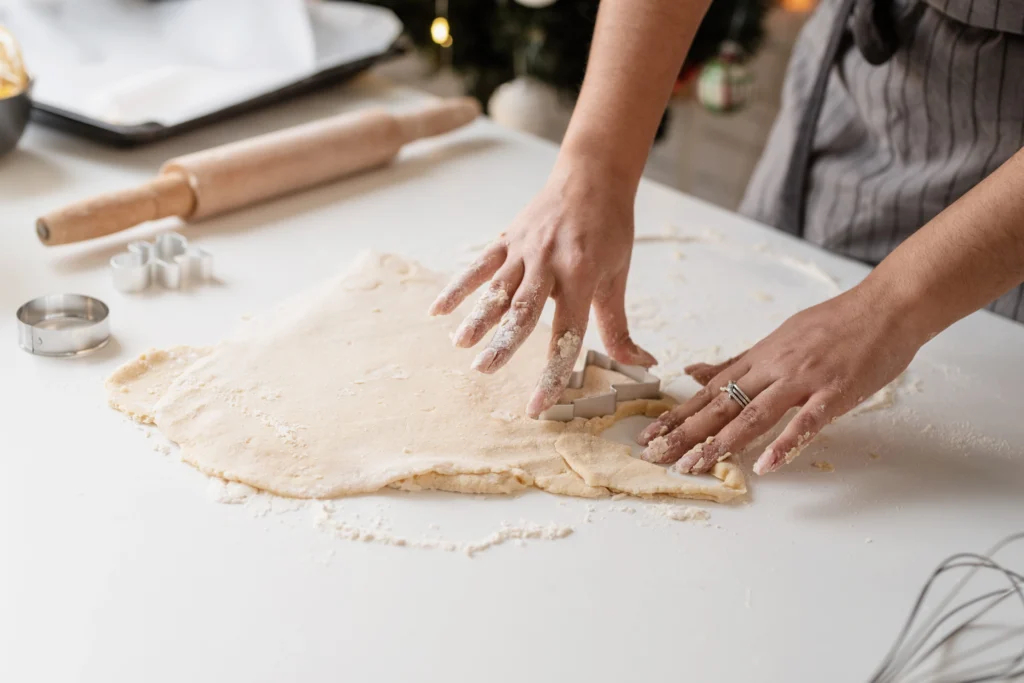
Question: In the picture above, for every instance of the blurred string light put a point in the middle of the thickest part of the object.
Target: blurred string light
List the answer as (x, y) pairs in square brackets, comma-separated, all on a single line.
[(798, 6), (13, 77), (440, 31)]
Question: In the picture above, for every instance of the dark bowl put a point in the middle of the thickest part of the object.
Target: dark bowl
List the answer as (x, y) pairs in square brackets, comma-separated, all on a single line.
[(14, 113)]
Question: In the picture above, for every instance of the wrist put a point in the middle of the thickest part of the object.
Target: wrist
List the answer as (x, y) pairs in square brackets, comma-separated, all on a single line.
[(906, 306), (599, 162)]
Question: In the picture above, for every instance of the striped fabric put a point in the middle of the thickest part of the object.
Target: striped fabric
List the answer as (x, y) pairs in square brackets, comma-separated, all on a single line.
[(895, 144)]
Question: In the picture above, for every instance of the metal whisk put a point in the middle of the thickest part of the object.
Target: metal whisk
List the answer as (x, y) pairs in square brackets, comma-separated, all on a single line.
[(974, 633)]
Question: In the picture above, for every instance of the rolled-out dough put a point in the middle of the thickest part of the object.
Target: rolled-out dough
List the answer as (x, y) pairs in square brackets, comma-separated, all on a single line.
[(351, 388)]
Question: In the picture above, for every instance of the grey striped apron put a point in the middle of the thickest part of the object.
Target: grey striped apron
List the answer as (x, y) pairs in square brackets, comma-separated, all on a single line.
[(891, 110)]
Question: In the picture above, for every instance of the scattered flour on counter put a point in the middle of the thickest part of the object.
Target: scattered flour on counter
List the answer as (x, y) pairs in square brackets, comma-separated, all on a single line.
[(809, 269), (229, 492), (642, 308), (549, 532), (806, 268), (280, 504), (681, 513), (392, 371), (882, 399), (270, 394), (324, 518), (259, 505), (963, 437), (374, 526), (672, 234), (645, 314)]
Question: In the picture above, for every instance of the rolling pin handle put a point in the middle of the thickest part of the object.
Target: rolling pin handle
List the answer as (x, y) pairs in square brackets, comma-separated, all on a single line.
[(437, 119), (166, 195)]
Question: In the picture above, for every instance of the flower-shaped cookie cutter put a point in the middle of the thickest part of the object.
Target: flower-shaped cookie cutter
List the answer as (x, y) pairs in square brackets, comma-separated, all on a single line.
[(169, 261), (644, 385)]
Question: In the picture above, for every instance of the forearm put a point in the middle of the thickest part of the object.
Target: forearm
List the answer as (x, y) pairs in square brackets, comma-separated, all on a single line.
[(967, 256), (637, 52)]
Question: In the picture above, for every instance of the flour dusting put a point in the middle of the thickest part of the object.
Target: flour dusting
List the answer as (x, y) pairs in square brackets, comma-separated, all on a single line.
[(229, 492), (882, 399), (682, 513), (326, 519), (561, 364), (492, 301), (391, 371)]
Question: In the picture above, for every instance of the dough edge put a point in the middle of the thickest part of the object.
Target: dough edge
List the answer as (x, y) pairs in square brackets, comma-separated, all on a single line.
[(129, 392)]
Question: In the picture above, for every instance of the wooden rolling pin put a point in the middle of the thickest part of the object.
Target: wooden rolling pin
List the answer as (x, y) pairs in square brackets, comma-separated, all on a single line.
[(242, 173)]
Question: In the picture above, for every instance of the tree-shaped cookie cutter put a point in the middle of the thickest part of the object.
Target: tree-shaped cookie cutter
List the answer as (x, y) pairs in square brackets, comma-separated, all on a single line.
[(169, 260), (644, 385)]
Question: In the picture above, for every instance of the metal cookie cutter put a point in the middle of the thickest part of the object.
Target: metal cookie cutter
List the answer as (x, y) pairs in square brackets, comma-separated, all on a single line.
[(169, 261), (644, 385), (63, 325)]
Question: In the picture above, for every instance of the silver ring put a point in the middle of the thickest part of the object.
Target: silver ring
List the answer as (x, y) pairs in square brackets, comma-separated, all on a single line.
[(736, 394)]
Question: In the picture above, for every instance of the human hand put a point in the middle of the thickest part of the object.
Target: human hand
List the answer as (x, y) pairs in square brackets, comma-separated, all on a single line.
[(573, 243), (826, 359)]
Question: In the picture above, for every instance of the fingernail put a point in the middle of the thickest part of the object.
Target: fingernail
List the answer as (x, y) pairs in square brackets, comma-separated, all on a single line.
[(632, 354), (694, 459), (766, 463), (462, 336), (643, 358), (679, 468), (705, 462), (441, 303), (656, 450), (652, 431), (537, 405), (485, 360)]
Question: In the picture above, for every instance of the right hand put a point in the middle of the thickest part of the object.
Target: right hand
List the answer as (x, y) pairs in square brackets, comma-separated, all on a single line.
[(573, 243)]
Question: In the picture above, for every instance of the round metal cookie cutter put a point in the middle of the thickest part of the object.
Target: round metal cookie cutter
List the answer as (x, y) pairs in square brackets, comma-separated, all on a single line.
[(63, 325)]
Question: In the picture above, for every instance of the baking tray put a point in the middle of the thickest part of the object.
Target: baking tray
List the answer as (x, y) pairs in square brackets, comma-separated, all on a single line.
[(140, 134)]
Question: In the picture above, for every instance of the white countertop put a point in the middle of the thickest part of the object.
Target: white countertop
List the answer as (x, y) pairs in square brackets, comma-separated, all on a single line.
[(115, 565)]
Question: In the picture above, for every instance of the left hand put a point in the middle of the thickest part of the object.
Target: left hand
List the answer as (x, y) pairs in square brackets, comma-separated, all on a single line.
[(826, 359)]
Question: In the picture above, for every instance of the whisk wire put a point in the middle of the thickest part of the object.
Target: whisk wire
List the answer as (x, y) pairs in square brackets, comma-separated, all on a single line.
[(921, 638)]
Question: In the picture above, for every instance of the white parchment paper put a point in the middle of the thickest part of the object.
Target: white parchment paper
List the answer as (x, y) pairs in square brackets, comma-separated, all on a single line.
[(135, 61)]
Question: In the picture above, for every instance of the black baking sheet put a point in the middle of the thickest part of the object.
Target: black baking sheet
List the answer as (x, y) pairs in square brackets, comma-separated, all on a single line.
[(141, 134)]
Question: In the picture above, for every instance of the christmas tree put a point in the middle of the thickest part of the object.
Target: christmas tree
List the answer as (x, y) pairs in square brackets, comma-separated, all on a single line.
[(493, 41)]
